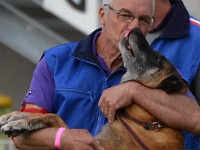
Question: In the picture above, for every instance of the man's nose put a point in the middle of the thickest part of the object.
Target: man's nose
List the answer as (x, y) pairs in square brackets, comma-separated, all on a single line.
[(135, 23)]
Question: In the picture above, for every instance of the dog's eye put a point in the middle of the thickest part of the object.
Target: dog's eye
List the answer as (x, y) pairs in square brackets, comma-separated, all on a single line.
[(158, 59)]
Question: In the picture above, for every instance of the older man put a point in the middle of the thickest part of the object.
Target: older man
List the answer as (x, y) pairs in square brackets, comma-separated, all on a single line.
[(70, 78)]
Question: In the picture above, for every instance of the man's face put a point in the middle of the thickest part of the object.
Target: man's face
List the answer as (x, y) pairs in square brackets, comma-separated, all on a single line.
[(114, 28)]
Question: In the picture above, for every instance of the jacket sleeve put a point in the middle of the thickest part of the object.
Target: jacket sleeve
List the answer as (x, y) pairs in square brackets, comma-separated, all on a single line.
[(195, 86)]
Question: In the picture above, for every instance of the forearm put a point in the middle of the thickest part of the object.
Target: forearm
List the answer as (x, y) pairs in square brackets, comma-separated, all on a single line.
[(40, 140), (175, 110), (70, 139)]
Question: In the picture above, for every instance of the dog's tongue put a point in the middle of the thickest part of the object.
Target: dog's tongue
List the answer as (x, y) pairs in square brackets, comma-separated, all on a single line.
[(127, 33), (126, 36)]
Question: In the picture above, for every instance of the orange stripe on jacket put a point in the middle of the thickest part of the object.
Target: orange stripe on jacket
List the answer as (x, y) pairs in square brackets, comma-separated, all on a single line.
[(194, 21)]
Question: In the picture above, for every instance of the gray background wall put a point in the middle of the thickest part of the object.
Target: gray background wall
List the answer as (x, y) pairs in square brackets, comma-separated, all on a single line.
[(193, 6), (15, 74)]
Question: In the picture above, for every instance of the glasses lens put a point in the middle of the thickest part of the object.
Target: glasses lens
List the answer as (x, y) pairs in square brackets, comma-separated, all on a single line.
[(125, 17), (146, 20)]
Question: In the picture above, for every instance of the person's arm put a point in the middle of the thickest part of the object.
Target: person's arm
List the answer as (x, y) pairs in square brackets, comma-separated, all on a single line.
[(175, 110), (71, 139), (40, 140)]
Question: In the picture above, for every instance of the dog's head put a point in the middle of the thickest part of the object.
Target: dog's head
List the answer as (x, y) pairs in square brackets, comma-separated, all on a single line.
[(147, 66)]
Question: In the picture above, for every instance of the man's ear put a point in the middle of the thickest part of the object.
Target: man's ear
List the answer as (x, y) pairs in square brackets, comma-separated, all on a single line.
[(102, 15)]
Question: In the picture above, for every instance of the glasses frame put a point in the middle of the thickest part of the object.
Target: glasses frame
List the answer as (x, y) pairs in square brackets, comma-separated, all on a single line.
[(151, 21)]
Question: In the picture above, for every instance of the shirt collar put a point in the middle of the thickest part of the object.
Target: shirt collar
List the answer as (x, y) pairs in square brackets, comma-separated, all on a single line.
[(99, 59)]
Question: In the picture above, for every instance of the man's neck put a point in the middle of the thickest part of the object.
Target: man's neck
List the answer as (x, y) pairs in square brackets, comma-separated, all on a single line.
[(162, 9), (110, 55)]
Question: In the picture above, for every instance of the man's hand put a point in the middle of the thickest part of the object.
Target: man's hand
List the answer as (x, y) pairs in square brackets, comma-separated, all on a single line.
[(78, 139), (115, 98)]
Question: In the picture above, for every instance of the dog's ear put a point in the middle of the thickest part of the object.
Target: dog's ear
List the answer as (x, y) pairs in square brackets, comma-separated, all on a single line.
[(173, 84)]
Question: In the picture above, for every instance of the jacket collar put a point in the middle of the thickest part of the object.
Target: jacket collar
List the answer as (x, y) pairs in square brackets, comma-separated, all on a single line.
[(176, 23), (84, 49)]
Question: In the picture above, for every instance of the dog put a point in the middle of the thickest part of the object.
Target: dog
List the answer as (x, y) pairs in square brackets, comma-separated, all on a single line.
[(133, 128)]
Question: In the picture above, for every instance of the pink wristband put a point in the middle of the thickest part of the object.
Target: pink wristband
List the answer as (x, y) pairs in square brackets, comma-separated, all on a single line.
[(58, 136)]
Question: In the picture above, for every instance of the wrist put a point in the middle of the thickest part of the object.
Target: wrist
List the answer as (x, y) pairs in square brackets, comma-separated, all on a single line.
[(58, 138), (135, 89)]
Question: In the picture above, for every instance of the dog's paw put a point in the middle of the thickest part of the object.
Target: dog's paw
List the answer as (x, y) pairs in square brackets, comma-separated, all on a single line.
[(14, 128), (11, 129), (8, 117)]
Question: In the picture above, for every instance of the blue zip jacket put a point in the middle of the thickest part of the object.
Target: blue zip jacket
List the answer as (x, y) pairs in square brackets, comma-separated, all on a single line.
[(78, 88)]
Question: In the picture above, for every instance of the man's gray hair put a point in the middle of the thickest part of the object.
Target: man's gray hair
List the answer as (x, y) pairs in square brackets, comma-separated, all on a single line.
[(107, 2), (111, 1)]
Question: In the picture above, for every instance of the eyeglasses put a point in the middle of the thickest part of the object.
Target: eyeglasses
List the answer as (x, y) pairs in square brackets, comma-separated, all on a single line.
[(127, 17)]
